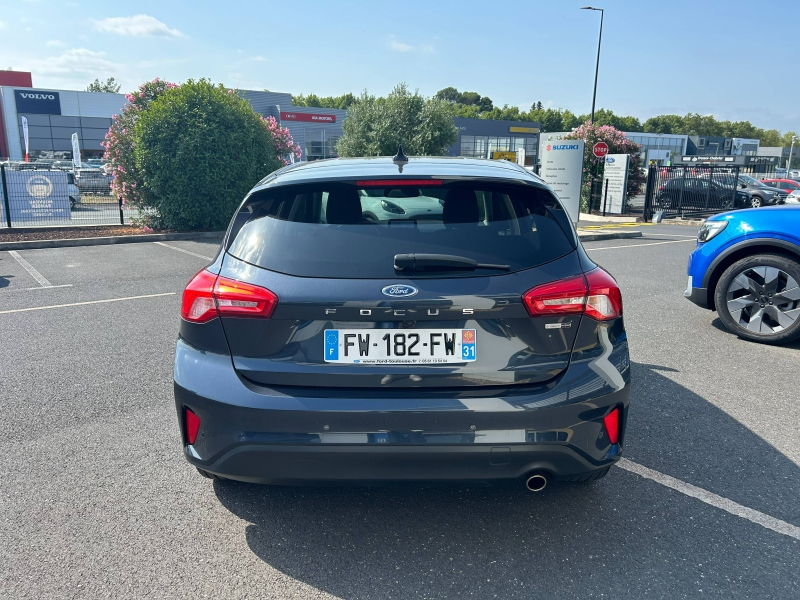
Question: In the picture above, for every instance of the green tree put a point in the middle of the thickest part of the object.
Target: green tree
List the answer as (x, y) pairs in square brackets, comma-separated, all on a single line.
[(449, 94), (343, 102), (109, 86), (200, 148), (377, 126)]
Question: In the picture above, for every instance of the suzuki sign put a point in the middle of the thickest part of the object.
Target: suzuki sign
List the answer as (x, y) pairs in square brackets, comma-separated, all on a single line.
[(562, 170)]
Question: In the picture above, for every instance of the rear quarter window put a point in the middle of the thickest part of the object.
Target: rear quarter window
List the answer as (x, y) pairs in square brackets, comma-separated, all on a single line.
[(354, 230)]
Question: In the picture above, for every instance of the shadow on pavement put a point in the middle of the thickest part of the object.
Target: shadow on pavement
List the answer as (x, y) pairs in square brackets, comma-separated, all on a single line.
[(619, 536), (717, 324)]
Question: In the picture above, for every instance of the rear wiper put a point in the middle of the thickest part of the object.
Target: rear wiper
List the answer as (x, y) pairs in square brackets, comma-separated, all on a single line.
[(422, 262)]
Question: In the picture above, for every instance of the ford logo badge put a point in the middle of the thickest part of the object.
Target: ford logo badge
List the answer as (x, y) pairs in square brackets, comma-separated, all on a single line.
[(399, 290)]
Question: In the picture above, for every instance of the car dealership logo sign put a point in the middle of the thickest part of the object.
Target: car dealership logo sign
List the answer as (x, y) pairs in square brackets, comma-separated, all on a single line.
[(563, 147), (38, 96), (39, 186), (399, 290)]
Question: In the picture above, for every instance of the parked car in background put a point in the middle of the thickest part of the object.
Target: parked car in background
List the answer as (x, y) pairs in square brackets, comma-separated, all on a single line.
[(694, 192), (63, 165), (479, 343), (788, 185), (747, 267), (73, 191), (93, 181), (793, 198), (760, 194)]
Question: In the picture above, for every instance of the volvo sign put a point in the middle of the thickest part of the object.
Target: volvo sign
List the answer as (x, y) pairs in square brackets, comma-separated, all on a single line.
[(37, 102)]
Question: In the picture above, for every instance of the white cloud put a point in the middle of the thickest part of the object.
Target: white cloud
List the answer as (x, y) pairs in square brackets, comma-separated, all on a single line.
[(398, 46), (138, 25), (258, 58), (56, 43), (2, 25), (77, 61)]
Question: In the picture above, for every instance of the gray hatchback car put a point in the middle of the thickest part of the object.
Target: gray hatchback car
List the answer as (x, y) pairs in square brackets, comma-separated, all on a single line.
[(460, 333)]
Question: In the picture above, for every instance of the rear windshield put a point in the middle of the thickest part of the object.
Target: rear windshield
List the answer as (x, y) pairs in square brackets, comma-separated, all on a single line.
[(354, 230)]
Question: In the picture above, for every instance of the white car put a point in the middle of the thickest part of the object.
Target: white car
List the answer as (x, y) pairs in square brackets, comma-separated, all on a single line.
[(793, 198)]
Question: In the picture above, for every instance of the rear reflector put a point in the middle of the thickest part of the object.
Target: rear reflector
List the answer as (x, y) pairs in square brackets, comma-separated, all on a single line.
[(397, 182), (192, 425), (208, 296), (611, 423), (595, 294)]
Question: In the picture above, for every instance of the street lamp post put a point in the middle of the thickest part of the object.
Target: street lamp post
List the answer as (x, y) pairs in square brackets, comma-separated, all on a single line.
[(597, 67)]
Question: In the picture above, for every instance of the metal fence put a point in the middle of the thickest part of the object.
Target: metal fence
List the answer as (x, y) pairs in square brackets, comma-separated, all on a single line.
[(691, 191), (50, 194)]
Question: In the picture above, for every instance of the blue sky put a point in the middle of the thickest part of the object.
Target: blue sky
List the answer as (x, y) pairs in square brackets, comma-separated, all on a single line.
[(658, 57)]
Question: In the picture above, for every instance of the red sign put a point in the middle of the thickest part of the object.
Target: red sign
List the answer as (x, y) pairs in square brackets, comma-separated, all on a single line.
[(314, 118), (600, 149)]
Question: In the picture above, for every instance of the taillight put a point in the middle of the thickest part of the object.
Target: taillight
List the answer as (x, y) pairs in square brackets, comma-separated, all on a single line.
[(207, 296), (595, 294), (198, 300), (605, 299), (239, 299), (611, 423), (567, 296), (192, 425)]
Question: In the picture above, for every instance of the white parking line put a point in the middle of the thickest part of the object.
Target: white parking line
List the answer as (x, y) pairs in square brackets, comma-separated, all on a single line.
[(29, 268), (712, 499), (19, 310), (184, 251), (635, 245), (42, 287)]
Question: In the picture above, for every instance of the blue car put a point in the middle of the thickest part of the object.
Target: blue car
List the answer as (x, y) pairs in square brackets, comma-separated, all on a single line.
[(747, 267)]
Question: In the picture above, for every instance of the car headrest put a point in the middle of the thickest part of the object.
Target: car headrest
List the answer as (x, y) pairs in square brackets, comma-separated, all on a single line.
[(344, 207), (460, 206)]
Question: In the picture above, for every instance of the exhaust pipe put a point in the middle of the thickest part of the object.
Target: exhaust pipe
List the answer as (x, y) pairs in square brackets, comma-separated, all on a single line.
[(536, 482)]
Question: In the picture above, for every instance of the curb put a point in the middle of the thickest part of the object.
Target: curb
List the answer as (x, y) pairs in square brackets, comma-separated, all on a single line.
[(690, 222), (615, 235), (107, 241)]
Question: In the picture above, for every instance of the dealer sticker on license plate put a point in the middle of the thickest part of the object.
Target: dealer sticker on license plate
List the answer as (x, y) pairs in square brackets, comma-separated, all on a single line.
[(400, 347)]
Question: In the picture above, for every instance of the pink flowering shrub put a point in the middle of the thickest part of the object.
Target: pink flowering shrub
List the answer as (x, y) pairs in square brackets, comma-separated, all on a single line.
[(285, 147), (618, 143), (127, 183), (132, 185)]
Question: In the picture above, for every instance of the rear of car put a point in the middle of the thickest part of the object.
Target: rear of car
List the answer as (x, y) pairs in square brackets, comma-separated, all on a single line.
[(362, 325)]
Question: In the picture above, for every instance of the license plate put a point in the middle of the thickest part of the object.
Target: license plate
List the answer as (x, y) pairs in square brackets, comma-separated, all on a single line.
[(400, 347)]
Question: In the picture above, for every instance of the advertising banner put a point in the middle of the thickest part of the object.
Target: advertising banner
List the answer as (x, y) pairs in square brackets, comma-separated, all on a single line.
[(562, 170), (25, 135), (37, 195), (615, 183), (76, 151)]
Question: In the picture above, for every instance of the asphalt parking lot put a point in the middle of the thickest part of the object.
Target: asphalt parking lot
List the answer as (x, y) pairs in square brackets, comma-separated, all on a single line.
[(96, 499)]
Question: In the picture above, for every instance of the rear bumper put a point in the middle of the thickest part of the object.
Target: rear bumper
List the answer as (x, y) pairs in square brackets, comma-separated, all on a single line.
[(320, 465), (264, 435)]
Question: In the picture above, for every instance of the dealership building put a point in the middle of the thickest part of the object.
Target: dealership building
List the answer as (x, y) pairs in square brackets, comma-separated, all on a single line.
[(53, 116), (485, 138)]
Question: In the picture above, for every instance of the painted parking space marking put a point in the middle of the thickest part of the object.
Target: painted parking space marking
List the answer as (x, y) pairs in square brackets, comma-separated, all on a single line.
[(712, 499), (41, 287), (19, 310), (29, 268), (171, 247), (637, 245)]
